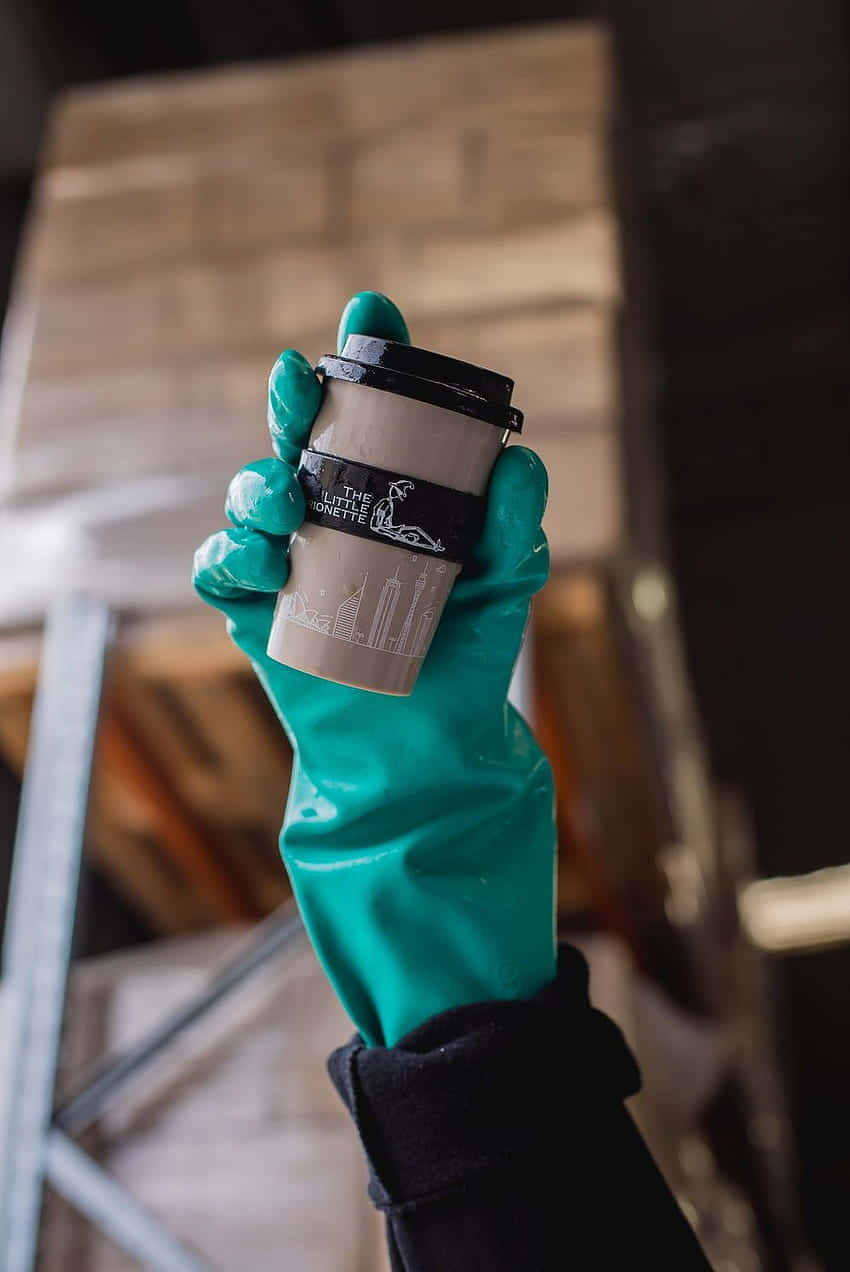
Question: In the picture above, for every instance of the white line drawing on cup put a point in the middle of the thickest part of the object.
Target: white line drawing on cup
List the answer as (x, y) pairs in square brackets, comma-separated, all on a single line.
[(401, 643), (346, 615), (420, 640), (412, 638), (384, 512), (297, 610), (379, 633)]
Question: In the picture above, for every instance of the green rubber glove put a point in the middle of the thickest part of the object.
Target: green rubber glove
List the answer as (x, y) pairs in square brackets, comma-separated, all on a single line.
[(419, 834)]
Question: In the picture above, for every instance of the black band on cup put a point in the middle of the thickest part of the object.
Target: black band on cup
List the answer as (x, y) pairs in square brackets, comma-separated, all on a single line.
[(403, 512)]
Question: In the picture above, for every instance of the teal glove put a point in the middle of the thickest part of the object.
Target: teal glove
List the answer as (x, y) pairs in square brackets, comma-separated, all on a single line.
[(419, 833)]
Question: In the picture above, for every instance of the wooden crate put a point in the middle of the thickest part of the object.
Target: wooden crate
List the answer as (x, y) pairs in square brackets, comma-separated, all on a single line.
[(613, 821), (234, 1138)]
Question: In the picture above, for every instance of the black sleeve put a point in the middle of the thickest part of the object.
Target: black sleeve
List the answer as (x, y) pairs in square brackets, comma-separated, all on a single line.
[(497, 1139)]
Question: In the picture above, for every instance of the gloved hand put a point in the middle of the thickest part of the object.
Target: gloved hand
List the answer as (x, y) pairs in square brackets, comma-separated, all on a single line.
[(419, 834)]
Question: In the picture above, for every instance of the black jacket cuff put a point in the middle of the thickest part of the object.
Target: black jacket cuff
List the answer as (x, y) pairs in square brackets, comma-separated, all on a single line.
[(478, 1089)]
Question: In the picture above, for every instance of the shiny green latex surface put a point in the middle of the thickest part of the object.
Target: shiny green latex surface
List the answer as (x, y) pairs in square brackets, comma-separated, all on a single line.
[(419, 834)]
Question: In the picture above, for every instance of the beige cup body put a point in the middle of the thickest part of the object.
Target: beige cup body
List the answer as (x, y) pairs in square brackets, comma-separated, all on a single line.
[(359, 611)]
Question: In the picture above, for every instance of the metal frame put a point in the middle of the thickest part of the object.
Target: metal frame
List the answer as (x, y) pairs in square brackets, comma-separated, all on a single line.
[(35, 1146)]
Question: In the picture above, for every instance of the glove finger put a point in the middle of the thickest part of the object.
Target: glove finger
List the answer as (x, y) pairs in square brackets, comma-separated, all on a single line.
[(369, 313), (236, 563), (294, 398), (512, 550), (266, 496), (294, 390)]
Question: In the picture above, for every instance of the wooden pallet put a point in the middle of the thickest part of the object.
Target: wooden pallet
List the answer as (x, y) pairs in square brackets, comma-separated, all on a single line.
[(190, 779)]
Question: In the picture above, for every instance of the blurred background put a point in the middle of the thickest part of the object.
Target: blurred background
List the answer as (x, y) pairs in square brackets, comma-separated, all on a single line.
[(640, 212)]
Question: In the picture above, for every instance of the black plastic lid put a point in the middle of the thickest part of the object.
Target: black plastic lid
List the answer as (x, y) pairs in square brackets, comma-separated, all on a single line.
[(427, 377)]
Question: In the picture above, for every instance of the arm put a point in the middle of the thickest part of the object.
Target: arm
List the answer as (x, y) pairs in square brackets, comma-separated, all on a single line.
[(419, 833), (497, 1139), (419, 836)]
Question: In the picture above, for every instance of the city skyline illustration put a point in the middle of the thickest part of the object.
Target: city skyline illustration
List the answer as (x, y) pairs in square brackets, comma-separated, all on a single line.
[(379, 632), (412, 637), (348, 612), (418, 588), (422, 631)]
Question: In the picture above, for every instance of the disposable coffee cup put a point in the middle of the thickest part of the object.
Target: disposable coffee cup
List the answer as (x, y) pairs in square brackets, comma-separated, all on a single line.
[(395, 476)]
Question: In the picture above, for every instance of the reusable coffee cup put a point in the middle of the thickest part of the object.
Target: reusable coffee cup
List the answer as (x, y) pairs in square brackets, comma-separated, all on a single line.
[(394, 477)]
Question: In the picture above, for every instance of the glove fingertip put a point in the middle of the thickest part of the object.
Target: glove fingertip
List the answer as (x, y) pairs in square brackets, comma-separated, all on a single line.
[(520, 476), (233, 563), (295, 395), (266, 496), (516, 501), (370, 313)]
